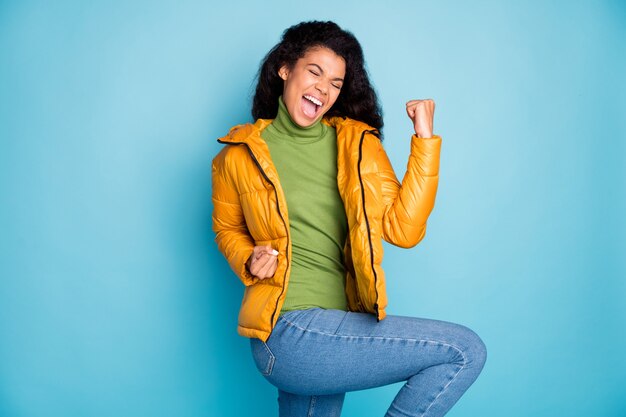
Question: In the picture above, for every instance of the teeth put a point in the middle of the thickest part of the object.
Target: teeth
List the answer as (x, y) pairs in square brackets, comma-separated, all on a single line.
[(313, 100)]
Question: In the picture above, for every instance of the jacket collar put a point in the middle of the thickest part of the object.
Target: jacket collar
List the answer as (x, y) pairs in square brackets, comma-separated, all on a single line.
[(250, 133)]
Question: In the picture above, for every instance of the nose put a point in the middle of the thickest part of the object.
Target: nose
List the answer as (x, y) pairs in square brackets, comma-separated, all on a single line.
[(322, 87)]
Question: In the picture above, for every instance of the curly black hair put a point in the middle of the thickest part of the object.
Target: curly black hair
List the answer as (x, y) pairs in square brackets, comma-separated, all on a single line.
[(357, 99)]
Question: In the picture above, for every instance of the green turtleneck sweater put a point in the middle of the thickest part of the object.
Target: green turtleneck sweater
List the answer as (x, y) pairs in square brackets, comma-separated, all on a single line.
[(306, 161)]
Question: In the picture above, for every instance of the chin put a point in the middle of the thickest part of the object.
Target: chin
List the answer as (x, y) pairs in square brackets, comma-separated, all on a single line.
[(305, 123)]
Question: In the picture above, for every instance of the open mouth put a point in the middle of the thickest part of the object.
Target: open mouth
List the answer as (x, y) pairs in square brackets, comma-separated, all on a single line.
[(310, 106)]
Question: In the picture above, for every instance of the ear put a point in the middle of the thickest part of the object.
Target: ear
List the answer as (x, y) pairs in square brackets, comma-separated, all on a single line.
[(283, 72)]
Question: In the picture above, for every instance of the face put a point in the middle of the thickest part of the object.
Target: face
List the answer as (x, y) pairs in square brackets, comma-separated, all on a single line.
[(312, 86)]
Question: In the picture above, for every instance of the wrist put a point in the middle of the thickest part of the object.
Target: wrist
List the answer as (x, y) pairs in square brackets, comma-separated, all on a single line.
[(424, 134)]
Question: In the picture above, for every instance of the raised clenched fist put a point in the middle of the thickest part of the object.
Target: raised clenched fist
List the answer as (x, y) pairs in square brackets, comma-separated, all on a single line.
[(421, 113)]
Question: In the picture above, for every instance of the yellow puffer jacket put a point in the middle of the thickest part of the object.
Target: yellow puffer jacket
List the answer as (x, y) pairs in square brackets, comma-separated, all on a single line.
[(249, 208)]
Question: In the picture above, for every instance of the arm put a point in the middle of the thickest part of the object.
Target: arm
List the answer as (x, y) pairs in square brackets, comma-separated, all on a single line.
[(408, 205), (229, 224)]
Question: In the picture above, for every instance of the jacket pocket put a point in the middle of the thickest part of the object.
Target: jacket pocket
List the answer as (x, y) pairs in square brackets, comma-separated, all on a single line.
[(263, 356)]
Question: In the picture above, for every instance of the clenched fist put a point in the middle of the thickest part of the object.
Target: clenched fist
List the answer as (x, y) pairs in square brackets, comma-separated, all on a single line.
[(421, 113), (263, 262)]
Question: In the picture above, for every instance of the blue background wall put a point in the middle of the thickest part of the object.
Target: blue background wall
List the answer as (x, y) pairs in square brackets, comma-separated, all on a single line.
[(114, 300)]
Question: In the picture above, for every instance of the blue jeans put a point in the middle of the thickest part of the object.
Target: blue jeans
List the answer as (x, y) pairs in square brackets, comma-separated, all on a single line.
[(315, 356)]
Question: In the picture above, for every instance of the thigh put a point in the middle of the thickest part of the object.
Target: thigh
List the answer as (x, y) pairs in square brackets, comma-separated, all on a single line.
[(322, 352)]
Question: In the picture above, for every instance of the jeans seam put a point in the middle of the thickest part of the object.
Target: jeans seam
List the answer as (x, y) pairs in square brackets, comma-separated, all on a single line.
[(446, 386), (312, 406), (270, 363), (341, 324), (458, 349)]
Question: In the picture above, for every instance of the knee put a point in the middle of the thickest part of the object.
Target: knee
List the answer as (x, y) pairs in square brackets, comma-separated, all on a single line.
[(474, 348)]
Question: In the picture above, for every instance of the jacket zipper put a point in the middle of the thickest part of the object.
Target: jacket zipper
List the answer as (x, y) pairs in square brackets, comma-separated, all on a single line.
[(367, 223), (279, 213)]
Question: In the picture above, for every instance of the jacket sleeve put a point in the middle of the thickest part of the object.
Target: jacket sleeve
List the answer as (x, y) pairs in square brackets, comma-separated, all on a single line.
[(229, 224), (407, 205)]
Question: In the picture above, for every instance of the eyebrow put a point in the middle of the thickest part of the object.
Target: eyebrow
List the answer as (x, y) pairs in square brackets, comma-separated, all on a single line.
[(322, 71)]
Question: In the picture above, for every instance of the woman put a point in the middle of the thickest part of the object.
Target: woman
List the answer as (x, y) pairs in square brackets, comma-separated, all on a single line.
[(302, 200)]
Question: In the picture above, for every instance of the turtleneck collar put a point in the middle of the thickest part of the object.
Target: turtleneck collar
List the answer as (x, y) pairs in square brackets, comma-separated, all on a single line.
[(284, 126)]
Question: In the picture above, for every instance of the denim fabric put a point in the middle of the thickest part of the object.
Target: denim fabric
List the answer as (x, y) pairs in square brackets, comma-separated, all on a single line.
[(315, 356)]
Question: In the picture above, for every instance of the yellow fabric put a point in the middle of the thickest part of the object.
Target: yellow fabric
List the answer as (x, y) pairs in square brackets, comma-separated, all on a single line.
[(249, 208)]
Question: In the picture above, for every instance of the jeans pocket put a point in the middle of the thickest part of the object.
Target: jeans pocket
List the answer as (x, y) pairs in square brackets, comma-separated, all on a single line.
[(263, 356)]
